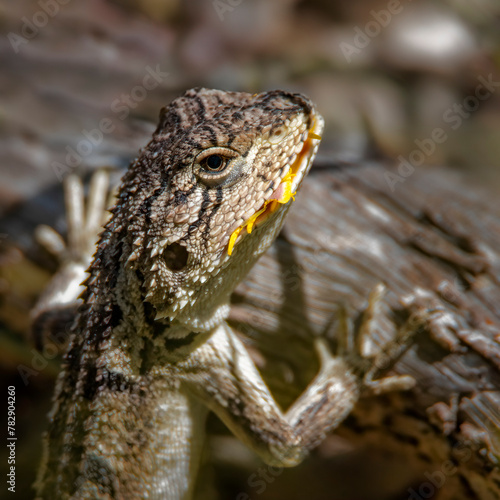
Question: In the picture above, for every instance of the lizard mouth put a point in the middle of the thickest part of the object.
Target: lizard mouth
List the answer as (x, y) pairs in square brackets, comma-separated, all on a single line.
[(286, 189)]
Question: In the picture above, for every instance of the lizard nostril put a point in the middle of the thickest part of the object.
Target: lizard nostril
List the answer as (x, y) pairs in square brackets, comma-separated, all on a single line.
[(175, 256)]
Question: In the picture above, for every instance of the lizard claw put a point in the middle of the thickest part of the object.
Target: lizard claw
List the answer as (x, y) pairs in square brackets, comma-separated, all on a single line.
[(326, 358), (356, 347), (84, 223)]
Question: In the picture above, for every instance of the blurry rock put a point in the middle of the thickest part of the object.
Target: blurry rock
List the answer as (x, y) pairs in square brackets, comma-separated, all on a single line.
[(428, 38)]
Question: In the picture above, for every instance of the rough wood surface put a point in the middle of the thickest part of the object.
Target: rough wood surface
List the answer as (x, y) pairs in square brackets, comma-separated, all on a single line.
[(435, 232), (346, 232)]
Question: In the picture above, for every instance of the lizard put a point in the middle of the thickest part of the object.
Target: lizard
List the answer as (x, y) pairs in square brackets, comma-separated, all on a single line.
[(150, 352)]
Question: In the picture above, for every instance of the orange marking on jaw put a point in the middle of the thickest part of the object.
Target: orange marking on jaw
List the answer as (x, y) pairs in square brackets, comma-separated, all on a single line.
[(285, 189)]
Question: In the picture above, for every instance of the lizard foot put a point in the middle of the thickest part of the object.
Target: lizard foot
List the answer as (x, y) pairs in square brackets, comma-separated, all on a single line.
[(84, 222), (357, 347), (57, 305)]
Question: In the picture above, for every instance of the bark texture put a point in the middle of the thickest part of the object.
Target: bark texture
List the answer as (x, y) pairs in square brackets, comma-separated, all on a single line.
[(435, 236)]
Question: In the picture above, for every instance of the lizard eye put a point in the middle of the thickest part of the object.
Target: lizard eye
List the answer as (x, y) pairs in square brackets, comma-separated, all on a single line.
[(217, 166), (213, 163)]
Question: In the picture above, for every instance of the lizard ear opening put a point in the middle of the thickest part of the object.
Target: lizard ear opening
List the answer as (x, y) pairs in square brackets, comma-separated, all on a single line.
[(175, 257)]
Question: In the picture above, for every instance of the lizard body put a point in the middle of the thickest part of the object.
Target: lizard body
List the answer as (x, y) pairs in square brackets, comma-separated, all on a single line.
[(150, 351)]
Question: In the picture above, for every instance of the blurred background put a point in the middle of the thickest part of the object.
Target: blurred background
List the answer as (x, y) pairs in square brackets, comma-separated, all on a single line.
[(81, 85)]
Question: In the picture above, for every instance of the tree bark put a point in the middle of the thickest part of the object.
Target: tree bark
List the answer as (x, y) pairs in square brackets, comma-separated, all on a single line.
[(433, 237)]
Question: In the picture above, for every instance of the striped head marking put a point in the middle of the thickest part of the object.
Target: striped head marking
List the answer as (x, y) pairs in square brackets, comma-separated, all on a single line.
[(209, 193)]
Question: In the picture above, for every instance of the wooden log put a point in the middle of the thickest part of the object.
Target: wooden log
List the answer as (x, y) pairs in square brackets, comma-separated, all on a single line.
[(434, 239)]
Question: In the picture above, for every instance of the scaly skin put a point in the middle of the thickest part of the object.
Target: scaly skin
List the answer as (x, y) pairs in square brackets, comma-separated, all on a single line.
[(150, 351)]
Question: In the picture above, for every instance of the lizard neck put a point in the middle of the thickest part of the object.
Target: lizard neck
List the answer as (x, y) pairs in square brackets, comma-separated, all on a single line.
[(209, 305)]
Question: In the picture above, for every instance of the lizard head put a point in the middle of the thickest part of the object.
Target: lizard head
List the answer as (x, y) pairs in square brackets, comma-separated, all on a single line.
[(209, 193)]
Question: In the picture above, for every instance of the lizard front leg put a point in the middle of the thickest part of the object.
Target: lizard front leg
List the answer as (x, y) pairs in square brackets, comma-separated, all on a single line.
[(233, 388), (56, 307)]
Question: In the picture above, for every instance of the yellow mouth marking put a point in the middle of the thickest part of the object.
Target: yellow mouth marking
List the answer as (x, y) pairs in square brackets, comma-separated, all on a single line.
[(272, 205), (269, 207)]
